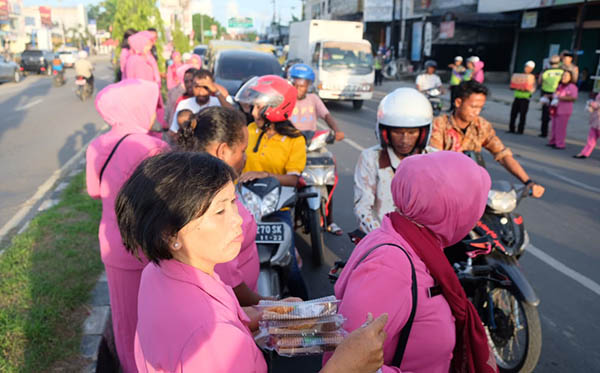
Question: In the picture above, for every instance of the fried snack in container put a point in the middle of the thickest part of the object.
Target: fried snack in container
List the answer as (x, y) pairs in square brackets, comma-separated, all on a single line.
[(303, 327), (281, 310)]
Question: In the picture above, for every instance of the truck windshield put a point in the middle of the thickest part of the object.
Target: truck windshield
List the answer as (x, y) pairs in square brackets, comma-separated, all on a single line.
[(355, 57)]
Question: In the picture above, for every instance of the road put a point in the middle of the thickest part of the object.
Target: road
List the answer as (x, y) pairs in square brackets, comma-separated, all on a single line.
[(562, 225), (42, 127)]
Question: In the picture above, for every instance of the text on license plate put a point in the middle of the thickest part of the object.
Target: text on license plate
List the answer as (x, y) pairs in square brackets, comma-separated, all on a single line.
[(80, 82), (269, 233)]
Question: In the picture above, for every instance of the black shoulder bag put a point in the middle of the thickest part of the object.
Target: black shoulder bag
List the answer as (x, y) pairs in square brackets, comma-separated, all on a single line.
[(110, 156), (405, 332)]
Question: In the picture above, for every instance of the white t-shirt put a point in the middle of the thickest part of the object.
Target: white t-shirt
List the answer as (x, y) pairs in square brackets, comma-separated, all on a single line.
[(192, 105), (428, 81)]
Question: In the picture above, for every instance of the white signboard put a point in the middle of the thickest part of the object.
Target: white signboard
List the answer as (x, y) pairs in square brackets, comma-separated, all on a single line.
[(529, 19), (496, 6), (427, 39), (381, 10)]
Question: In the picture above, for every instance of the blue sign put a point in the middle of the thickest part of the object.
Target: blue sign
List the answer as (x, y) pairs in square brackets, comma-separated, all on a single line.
[(417, 40)]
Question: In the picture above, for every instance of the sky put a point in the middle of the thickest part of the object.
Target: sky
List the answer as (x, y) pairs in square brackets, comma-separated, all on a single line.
[(260, 10)]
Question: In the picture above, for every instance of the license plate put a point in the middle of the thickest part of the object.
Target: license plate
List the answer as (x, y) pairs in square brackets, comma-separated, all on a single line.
[(80, 82), (269, 233)]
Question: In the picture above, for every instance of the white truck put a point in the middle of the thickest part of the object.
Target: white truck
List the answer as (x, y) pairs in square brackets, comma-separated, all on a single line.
[(341, 58)]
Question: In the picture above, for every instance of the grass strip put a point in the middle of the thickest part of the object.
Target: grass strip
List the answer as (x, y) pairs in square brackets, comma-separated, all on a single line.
[(46, 275)]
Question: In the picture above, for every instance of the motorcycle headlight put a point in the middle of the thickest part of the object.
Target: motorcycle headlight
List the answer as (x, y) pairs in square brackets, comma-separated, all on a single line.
[(269, 202), (502, 202), (319, 175), (252, 203)]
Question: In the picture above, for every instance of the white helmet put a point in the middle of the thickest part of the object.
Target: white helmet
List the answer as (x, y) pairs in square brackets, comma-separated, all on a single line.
[(405, 108), (82, 55)]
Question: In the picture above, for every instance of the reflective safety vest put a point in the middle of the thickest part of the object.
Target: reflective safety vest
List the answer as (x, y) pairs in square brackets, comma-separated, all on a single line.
[(551, 79), (457, 75)]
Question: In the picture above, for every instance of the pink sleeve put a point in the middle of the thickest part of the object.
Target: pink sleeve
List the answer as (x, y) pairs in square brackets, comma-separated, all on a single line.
[(137, 68), (91, 174), (171, 77), (573, 90), (376, 287), (123, 60), (320, 107), (224, 348)]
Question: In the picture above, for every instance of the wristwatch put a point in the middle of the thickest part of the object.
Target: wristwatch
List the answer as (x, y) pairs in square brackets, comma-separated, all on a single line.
[(217, 93)]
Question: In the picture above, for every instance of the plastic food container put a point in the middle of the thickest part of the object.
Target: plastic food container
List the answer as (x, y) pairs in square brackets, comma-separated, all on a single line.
[(316, 308), (298, 345), (303, 327)]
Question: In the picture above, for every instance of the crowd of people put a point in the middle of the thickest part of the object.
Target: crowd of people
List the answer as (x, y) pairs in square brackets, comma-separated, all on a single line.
[(179, 247)]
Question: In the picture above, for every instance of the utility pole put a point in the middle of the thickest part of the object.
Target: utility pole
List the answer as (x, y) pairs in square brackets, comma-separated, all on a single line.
[(394, 39), (576, 42), (201, 28)]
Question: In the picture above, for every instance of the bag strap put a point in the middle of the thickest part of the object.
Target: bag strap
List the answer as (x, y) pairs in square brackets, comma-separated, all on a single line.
[(110, 156), (405, 332)]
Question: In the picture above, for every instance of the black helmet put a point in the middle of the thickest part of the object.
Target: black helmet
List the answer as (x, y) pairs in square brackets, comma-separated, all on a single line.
[(430, 63)]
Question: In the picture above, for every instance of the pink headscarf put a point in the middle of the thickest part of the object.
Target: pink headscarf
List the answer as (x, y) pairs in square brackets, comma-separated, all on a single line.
[(478, 71), (195, 61), (444, 191), (129, 104), (141, 64), (181, 71), (139, 41)]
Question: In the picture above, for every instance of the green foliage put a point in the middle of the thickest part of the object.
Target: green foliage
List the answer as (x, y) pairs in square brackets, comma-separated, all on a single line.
[(181, 42), (139, 15), (103, 13), (202, 22)]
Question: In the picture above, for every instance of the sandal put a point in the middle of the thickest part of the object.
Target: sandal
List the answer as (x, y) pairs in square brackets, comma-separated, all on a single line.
[(335, 229)]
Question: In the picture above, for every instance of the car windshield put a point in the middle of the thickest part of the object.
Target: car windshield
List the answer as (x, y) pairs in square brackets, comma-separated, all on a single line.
[(32, 53), (240, 68), (356, 57), (200, 51), (64, 53)]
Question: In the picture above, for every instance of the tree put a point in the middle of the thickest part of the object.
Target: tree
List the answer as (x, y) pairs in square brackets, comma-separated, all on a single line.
[(181, 42), (103, 13), (139, 15), (203, 22)]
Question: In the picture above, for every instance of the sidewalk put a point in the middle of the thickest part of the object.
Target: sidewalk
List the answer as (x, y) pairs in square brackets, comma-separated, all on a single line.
[(500, 93)]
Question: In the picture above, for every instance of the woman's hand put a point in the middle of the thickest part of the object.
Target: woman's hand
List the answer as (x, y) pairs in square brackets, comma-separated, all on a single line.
[(254, 315), (362, 350), (252, 175)]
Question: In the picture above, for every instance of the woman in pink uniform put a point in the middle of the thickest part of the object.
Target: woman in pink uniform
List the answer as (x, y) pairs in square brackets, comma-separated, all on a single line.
[(438, 197), (566, 94), (180, 210), (129, 107), (172, 77), (125, 51), (142, 65), (222, 133)]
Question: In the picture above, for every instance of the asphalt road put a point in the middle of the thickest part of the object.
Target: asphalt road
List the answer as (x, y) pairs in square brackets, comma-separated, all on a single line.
[(563, 224), (42, 127)]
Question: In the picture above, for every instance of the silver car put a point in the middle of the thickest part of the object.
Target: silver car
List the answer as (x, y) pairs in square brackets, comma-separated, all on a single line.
[(9, 71)]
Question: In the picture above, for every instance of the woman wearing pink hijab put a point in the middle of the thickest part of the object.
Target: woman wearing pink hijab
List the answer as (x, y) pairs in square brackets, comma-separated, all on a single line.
[(142, 65), (438, 197), (129, 107), (125, 51), (195, 61), (172, 78)]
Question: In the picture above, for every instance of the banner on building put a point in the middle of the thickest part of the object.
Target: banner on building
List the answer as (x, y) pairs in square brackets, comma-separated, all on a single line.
[(447, 30), (4, 10), (529, 19), (421, 5), (46, 16), (427, 39), (495, 6), (381, 10), (417, 36)]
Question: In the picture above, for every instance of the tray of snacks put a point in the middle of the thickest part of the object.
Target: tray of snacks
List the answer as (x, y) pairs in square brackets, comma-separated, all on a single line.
[(282, 310), (303, 327)]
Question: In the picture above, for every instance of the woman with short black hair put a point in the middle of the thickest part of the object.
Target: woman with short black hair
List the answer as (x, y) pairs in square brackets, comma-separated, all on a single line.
[(179, 210)]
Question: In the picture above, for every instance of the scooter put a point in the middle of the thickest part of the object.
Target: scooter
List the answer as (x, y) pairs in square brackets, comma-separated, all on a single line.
[(58, 78), (84, 88), (487, 266), (319, 178), (435, 99), (264, 197)]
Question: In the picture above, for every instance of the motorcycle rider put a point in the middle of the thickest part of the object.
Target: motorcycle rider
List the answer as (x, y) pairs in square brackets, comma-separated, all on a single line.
[(403, 125), (308, 109), (549, 81), (429, 79), (83, 67), (58, 66), (465, 130)]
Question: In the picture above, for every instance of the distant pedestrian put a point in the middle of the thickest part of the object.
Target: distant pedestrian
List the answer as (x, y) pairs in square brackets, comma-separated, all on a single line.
[(566, 58), (594, 108), (458, 72), (520, 105), (124, 53), (563, 99), (549, 81), (172, 78), (476, 69), (378, 65)]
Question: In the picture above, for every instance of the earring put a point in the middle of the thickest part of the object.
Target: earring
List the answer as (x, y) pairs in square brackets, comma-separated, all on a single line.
[(176, 245)]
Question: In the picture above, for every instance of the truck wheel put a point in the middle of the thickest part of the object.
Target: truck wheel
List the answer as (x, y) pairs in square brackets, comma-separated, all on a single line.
[(357, 104)]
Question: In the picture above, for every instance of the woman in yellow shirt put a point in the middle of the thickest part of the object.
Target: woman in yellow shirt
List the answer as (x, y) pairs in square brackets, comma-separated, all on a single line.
[(275, 147)]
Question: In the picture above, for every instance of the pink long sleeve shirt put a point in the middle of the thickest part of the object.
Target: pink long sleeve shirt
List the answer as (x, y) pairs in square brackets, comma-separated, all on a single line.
[(245, 267), (382, 284), (189, 321)]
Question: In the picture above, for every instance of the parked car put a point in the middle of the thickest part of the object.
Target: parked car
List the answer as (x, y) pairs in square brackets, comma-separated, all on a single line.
[(68, 58), (9, 71), (232, 67), (200, 50), (37, 61)]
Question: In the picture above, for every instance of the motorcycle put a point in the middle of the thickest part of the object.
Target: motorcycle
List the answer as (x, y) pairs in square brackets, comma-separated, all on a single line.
[(487, 266), (264, 197), (84, 88), (58, 78), (319, 178), (435, 99)]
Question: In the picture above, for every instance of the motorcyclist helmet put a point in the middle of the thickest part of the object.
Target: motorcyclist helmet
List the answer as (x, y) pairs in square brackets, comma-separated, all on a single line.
[(430, 63), (404, 108), (275, 95), (82, 55), (302, 71)]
